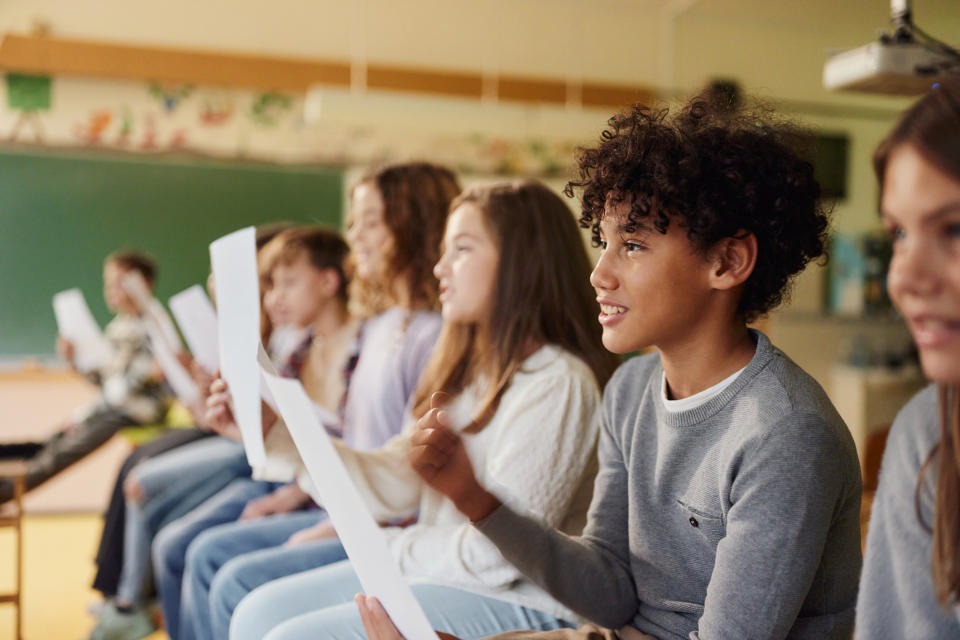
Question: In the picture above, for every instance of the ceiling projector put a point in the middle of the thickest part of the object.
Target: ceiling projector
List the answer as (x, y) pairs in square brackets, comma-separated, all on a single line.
[(906, 62)]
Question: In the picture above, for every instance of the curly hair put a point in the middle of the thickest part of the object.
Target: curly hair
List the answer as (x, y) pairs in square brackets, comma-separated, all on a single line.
[(718, 175)]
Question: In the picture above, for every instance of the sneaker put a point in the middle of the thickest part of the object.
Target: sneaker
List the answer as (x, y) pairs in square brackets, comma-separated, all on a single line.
[(96, 607), (121, 625)]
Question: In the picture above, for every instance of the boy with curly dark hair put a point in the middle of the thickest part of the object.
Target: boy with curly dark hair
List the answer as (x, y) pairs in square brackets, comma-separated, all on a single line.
[(728, 497)]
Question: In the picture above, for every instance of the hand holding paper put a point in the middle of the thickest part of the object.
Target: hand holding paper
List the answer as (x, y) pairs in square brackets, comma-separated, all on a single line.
[(362, 539), (76, 324), (163, 339)]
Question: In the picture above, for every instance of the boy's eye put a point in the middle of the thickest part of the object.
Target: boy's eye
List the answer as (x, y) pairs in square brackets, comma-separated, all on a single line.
[(603, 244), (953, 230), (633, 246)]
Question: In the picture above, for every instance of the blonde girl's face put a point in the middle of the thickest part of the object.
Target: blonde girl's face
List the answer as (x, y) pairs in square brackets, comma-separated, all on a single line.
[(467, 269), (920, 209), (368, 234)]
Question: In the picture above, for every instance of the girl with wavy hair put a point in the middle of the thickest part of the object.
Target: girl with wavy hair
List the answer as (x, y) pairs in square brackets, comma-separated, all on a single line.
[(911, 577)]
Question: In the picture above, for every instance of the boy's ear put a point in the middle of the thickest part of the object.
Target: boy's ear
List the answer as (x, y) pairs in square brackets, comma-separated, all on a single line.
[(733, 260), (329, 282)]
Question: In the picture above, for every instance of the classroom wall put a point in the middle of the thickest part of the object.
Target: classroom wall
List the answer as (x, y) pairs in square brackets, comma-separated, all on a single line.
[(773, 49)]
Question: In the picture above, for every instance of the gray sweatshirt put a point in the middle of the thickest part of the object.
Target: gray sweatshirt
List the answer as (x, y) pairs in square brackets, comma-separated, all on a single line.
[(896, 594), (736, 519)]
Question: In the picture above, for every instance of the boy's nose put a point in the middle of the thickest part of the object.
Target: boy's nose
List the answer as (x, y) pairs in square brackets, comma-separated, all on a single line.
[(602, 276)]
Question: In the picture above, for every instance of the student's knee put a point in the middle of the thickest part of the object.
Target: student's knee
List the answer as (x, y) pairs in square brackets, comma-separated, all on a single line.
[(167, 551), (132, 489), (204, 556), (229, 585)]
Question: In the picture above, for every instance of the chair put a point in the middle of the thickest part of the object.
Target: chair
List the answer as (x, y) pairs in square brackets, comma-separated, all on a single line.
[(17, 471)]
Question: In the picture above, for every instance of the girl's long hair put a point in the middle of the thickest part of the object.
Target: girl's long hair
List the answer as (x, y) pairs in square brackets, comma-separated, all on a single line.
[(542, 295), (932, 128), (416, 198)]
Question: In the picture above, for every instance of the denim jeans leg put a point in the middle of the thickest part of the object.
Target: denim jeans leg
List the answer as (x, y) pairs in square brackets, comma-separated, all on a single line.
[(170, 546)]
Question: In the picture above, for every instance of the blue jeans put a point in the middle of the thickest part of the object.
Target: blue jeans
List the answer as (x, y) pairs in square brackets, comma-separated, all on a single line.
[(170, 548), (319, 604), (228, 561), (171, 482)]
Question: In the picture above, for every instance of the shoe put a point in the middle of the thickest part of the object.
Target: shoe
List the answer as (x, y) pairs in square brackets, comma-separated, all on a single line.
[(122, 625), (95, 608), (19, 450)]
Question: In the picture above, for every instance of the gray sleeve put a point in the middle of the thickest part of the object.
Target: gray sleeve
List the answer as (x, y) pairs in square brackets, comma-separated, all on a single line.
[(896, 592), (589, 574), (788, 491)]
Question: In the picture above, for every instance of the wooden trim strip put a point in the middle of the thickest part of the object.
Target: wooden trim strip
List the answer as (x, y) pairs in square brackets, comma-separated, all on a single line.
[(55, 56)]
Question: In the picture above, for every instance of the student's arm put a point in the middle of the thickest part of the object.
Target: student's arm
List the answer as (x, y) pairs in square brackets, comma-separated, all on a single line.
[(541, 447), (589, 574), (896, 597), (790, 488), (388, 485)]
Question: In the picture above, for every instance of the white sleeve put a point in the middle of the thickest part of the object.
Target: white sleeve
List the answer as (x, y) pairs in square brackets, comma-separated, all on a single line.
[(386, 481), (537, 461)]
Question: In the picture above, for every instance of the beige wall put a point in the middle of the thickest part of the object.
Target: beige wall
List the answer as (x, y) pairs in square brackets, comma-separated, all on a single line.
[(775, 48)]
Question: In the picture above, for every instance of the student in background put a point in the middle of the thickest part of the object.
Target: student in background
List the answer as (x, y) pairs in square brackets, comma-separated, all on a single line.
[(911, 575), (131, 384), (159, 482), (109, 557), (521, 360), (394, 227), (728, 497)]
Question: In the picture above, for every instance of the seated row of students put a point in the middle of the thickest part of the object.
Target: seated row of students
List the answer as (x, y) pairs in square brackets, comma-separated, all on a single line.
[(727, 497), (726, 501), (110, 551), (616, 574), (306, 287)]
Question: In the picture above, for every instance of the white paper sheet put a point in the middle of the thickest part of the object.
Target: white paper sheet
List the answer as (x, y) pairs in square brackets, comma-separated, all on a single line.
[(177, 376), (76, 324), (234, 261), (134, 284), (164, 341), (198, 322), (362, 539)]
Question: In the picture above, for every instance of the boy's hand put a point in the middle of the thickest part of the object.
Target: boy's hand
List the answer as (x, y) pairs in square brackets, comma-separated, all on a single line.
[(438, 456), (219, 414), (320, 531), (378, 624), (67, 351)]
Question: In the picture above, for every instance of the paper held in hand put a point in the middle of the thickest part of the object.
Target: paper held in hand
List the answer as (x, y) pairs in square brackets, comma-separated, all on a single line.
[(164, 340), (362, 538), (76, 324), (198, 322), (234, 261)]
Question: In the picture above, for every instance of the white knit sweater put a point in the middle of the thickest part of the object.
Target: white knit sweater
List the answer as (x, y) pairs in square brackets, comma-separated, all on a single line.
[(538, 454)]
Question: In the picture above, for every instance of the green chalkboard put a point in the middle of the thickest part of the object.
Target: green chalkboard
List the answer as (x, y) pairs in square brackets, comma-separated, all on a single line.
[(61, 213)]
